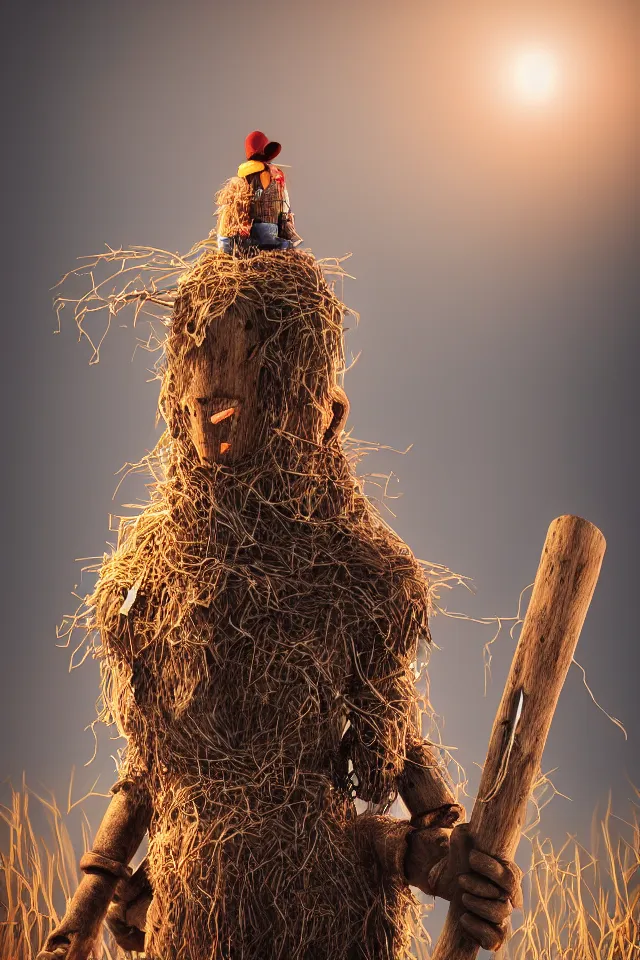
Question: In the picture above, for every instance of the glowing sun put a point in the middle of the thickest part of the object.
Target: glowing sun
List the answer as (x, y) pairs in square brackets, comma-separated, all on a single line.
[(535, 75)]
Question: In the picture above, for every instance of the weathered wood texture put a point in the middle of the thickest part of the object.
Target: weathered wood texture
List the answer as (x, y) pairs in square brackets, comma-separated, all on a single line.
[(424, 784), (562, 592), (223, 376)]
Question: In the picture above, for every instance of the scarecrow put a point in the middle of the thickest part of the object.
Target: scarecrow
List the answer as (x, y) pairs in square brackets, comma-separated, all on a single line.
[(254, 206), (259, 625)]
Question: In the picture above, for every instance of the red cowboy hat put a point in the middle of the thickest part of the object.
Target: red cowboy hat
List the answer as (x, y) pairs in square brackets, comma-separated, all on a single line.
[(259, 147)]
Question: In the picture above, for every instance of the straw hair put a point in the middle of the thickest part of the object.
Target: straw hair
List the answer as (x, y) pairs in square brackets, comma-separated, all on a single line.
[(234, 200)]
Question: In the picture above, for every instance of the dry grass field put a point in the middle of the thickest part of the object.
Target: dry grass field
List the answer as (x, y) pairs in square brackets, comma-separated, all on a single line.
[(579, 904)]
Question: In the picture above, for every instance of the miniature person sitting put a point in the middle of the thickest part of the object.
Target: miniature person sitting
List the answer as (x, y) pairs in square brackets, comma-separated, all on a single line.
[(254, 208)]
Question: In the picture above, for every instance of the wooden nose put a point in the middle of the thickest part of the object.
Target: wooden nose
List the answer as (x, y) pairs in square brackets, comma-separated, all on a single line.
[(222, 415)]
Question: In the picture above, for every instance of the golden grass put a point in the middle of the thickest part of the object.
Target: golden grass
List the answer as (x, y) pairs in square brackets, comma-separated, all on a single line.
[(584, 905), (580, 904), (38, 874)]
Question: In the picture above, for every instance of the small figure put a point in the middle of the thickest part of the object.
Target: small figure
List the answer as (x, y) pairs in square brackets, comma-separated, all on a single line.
[(254, 208)]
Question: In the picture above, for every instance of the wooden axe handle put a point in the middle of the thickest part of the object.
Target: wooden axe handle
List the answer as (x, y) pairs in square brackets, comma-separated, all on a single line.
[(566, 578)]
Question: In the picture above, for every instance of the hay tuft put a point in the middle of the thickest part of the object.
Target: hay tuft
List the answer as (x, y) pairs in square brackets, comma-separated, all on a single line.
[(234, 200)]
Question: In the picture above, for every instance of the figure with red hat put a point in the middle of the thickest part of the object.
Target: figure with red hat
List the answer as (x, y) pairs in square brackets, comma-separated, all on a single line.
[(254, 209)]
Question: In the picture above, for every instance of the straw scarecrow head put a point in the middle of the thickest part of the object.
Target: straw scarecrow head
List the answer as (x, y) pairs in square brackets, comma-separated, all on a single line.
[(238, 380)]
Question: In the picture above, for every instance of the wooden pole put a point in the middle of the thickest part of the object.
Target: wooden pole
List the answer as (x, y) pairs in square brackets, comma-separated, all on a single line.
[(566, 578)]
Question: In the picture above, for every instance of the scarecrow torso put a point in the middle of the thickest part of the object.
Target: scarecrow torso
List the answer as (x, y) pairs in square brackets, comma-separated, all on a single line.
[(237, 713), (270, 201), (250, 683)]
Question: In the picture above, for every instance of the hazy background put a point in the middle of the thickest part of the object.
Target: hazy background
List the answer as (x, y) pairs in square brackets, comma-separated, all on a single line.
[(495, 249)]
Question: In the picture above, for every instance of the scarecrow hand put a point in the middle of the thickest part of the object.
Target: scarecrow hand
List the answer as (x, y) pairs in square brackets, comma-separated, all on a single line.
[(76, 937), (488, 889), (127, 915)]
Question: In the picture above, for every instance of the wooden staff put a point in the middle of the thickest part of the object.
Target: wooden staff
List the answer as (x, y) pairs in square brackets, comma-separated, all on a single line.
[(566, 578)]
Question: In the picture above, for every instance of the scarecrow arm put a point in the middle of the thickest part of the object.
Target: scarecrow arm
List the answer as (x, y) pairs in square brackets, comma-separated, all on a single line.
[(118, 837), (433, 851), (424, 784), (438, 858), (381, 700), (427, 851)]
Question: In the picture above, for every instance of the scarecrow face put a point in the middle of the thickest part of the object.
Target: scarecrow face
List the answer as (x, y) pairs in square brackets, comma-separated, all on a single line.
[(220, 398)]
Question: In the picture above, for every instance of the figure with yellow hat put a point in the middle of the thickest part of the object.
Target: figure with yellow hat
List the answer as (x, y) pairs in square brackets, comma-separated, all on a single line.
[(253, 208)]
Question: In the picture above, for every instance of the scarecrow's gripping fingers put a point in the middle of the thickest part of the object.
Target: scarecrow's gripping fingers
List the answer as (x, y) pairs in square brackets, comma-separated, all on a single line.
[(487, 888)]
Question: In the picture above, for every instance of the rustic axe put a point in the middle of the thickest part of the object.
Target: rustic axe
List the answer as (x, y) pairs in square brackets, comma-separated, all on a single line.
[(564, 584)]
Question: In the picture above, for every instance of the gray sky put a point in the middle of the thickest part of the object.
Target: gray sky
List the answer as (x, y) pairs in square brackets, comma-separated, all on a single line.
[(494, 246)]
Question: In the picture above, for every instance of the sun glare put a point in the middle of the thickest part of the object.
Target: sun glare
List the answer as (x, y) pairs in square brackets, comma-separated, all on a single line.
[(535, 75)]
